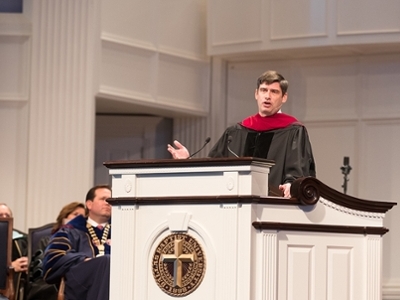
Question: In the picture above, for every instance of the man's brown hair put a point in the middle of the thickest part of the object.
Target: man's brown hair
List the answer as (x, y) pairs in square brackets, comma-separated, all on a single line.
[(270, 77)]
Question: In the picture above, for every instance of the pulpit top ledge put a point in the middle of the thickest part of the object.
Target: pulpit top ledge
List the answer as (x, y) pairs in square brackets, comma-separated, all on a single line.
[(190, 177), (159, 164)]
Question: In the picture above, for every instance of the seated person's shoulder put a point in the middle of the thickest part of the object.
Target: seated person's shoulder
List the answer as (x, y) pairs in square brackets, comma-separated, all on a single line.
[(18, 234)]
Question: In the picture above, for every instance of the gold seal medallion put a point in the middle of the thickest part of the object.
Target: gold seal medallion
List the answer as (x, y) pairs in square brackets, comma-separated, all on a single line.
[(179, 265)]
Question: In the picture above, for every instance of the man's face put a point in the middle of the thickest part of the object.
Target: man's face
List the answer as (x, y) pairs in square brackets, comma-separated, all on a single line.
[(5, 212), (269, 98), (99, 209)]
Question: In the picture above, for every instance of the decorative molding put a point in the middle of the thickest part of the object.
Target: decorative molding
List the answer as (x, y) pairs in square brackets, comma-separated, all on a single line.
[(391, 290), (174, 52), (351, 211), (366, 32), (241, 42), (114, 40), (161, 103), (307, 189), (298, 37), (374, 268), (319, 228), (270, 259), (110, 92)]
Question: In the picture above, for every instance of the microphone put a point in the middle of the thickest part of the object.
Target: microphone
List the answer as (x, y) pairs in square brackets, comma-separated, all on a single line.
[(345, 171), (229, 148), (346, 166), (205, 143)]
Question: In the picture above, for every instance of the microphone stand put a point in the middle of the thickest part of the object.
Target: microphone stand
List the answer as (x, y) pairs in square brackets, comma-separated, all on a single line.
[(345, 171), (229, 148), (205, 143)]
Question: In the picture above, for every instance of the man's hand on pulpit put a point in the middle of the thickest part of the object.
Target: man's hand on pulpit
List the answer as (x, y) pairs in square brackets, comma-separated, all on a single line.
[(286, 189)]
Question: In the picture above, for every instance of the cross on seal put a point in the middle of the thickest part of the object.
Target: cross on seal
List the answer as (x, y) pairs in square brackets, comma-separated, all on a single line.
[(178, 258)]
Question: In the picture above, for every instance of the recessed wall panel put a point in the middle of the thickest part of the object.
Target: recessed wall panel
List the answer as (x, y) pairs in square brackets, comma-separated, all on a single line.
[(183, 83), (325, 89), (339, 279), (326, 269), (298, 19), (380, 88), (235, 22), (367, 17), (133, 20), (380, 154), (14, 66), (127, 69), (300, 271), (172, 15)]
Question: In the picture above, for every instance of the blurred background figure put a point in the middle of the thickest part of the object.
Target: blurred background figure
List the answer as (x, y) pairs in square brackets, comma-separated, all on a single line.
[(19, 255), (67, 213)]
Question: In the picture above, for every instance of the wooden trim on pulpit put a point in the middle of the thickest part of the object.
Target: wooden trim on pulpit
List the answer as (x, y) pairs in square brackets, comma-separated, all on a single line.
[(308, 190), (319, 228), (202, 200), (194, 162)]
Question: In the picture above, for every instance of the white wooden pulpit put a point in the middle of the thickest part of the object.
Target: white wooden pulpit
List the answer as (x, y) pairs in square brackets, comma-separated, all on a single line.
[(207, 229)]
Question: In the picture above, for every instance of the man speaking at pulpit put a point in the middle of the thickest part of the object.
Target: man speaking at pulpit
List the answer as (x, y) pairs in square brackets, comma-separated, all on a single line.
[(79, 252), (269, 134)]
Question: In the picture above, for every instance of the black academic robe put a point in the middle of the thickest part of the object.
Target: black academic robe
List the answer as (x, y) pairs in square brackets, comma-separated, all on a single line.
[(288, 147)]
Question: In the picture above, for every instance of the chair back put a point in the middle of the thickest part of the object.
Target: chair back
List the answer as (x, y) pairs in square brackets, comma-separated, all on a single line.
[(35, 235), (6, 273)]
